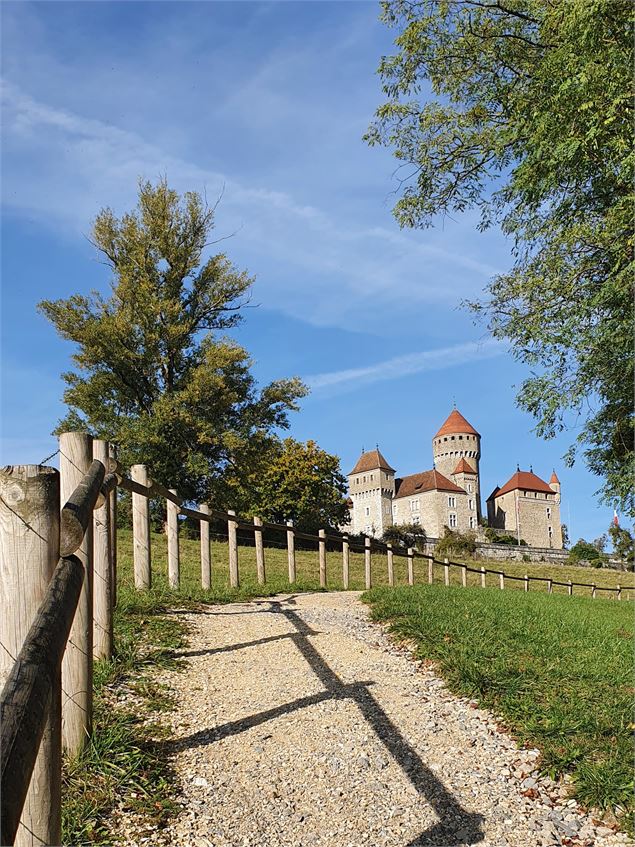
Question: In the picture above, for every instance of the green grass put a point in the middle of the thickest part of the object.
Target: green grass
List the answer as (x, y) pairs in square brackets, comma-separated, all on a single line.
[(557, 670)]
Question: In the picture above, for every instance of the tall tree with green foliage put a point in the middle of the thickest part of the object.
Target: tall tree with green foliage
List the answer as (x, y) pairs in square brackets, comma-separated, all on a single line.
[(523, 109), (153, 374), (303, 483)]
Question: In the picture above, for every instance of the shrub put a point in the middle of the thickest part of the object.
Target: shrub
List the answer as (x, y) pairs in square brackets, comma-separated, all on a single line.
[(405, 535), (495, 536), (584, 551), (453, 541)]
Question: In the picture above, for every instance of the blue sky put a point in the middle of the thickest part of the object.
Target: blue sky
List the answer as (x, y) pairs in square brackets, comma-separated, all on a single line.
[(269, 101)]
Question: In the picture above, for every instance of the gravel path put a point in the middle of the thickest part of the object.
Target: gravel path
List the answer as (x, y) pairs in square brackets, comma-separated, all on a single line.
[(300, 724)]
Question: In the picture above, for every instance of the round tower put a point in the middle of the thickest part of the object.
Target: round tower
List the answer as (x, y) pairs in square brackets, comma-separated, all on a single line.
[(456, 440)]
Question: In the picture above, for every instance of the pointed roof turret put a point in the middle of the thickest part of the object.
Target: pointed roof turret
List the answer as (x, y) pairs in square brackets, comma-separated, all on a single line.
[(463, 467), (554, 478), (370, 461), (455, 422), (525, 480)]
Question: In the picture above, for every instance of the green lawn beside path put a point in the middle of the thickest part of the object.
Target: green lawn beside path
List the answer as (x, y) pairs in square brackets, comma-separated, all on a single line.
[(558, 670)]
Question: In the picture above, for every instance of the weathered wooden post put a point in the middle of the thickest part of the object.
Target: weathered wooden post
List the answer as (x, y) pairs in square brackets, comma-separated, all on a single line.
[(29, 552), (446, 572), (501, 580), (549, 586), (367, 554), (619, 592), (593, 590), (526, 580), (174, 564), (76, 455), (291, 551), (103, 572), (232, 526), (322, 556), (464, 576), (206, 559), (112, 454), (570, 588), (141, 531), (260, 551), (345, 561), (482, 576), (430, 571), (410, 553), (391, 569)]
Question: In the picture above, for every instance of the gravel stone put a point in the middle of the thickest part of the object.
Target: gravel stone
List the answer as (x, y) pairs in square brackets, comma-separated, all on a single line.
[(300, 723)]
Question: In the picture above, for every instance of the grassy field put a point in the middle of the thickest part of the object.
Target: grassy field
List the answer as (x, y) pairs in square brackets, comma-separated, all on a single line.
[(558, 670), (308, 574)]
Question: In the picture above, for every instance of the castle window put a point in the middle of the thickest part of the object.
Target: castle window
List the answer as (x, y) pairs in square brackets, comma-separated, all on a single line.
[(550, 533), (364, 479), (548, 512), (445, 438), (414, 505), (471, 522), (451, 438), (371, 477), (452, 503), (469, 487), (416, 519), (460, 438), (452, 520), (470, 505), (367, 511)]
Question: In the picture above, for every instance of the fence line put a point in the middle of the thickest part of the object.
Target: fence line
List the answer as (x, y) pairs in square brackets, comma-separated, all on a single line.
[(62, 565)]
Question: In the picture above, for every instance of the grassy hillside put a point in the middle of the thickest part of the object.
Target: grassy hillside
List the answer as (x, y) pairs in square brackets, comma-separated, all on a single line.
[(308, 575), (559, 670)]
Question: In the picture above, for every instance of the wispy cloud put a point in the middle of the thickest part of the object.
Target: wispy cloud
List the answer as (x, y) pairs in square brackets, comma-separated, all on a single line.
[(401, 366)]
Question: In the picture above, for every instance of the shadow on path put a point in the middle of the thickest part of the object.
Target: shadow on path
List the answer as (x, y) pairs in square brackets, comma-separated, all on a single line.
[(456, 826)]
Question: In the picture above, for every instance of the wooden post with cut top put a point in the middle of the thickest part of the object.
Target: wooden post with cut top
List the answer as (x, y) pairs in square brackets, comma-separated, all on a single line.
[(501, 580), (430, 571), (174, 564), (141, 531), (345, 561), (549, 586), (446, 572), (102, 570), (570, 588), (206, 558), (391, 568), (322, 557), (464, 576), (482, 576), (112, 455), (29, 551), (291, 551), (367, 562), (76, 455), (260, 551), (411, 568), (232, 526)]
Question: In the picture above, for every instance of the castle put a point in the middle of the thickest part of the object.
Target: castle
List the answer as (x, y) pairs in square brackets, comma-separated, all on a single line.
[(450, 494)]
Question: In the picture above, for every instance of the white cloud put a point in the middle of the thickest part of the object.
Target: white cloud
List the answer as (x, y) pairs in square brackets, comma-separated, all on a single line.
[(400, 366)]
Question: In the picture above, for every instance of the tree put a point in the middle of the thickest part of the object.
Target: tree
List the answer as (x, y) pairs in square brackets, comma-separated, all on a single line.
[(586, 551), (600, 542), (152, 373), (303, 483), (405, 535), (623, 544), (529, 119), (565, 535)]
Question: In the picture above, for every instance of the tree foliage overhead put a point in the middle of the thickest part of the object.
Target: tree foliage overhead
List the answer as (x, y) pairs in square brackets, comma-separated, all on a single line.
[(523, 109), (153, 374)]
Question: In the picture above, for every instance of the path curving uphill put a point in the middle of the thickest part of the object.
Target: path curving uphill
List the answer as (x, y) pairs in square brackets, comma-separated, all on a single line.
[(298, 723)]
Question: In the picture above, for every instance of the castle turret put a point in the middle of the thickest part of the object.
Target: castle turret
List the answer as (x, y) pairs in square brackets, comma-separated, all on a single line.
[(457, 439), (554, 483), (371, 485)]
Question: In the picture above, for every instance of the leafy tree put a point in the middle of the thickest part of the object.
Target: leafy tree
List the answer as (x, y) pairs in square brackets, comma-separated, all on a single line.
[(152, 373), (623, 544), (405, 535), (529, 119), (303, 483), (565, 535), (600, 542), (585, 551)]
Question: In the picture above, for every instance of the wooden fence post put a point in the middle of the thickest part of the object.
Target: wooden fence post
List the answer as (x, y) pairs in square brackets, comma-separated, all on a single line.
[(322, 557), (593, 590), (411, 568), (482, 576), (345, 561), (102, 571), (391, 568), (29, 551), (76, 455), (526, 580), (464, 576), (206, 559), (430, 571), (141, 531), (232, 526), (367, 554), (549, 586), (291, 551), (501, 580), (260, 551), (112, 454), (570, 588), (446, 572), (174, 564), (619, 592)]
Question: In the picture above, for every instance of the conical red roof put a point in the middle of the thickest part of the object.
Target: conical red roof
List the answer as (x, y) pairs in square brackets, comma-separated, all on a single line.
[(370, 461), (456, 423), (554, 478), (463, 467)]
